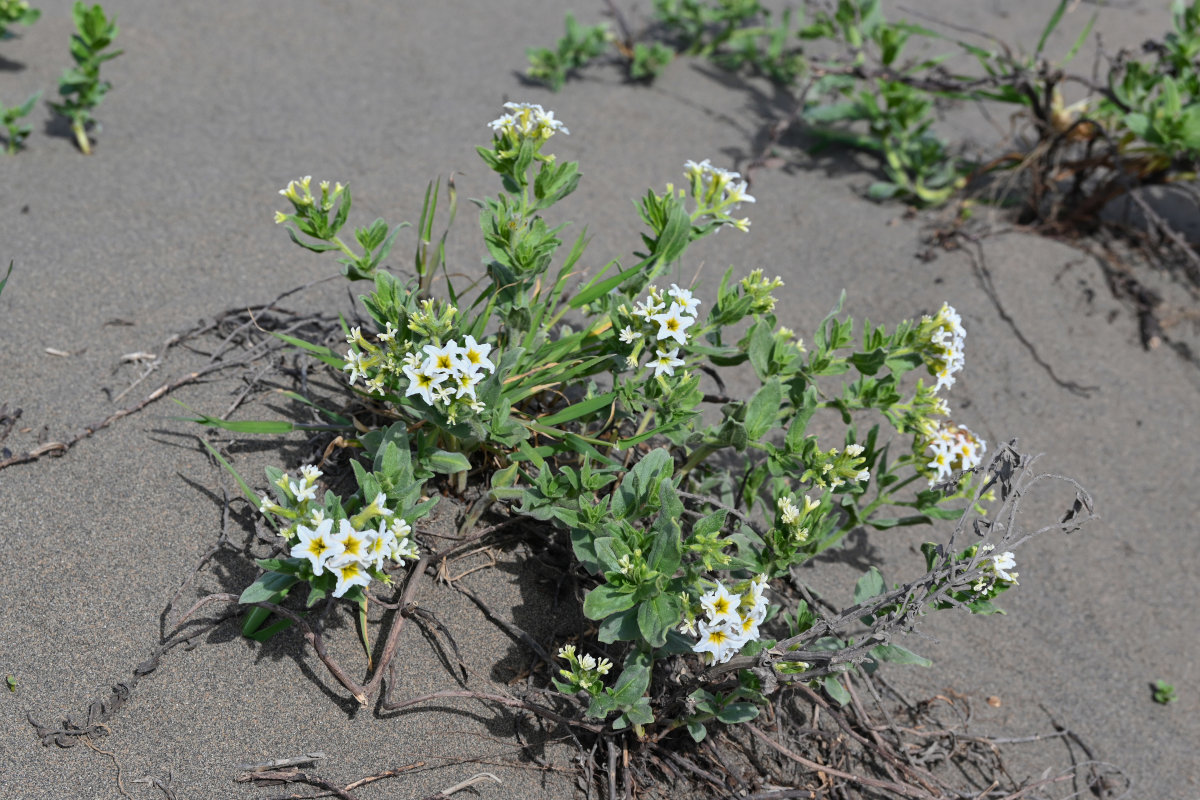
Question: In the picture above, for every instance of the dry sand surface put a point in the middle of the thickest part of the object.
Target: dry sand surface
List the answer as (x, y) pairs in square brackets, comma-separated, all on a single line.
[(218, 104)]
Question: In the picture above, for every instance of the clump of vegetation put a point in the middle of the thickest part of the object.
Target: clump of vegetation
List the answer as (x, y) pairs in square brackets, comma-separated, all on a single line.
[(576, 404), (17, 130), (16, 12)]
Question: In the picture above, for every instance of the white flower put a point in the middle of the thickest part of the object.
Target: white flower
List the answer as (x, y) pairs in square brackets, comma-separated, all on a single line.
[(422, 382), (648, 308), (1001, 565), (684, 298), (629, 335), (444, 394), (353, 544), (665, 363), (720, 605), (310, 473), (719, 639), (354, 336), (688, 626), (441, 359), (631, 362), (303, 491), (349, 573), (854, 450), (737, 193), (788, 512), (747, 629), (317, 546), (528, 120), (864, 475), (673, 324), (388, 335), (354, 365), (742, 224), (587, 663), (466, 383), (603, 666), (381, 544), (473, 356), (379, 507)]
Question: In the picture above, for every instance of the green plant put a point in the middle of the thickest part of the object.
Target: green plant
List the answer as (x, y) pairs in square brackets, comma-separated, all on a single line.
[(7, 275), (1163, 692), (579, 405), (16, 11), (17, 131), (81, 87), (580, 45)]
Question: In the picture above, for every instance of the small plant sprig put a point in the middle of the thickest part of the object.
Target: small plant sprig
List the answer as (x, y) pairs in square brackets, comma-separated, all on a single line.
[(16, 12), (81, 87), (17, 130), (1163, 692)]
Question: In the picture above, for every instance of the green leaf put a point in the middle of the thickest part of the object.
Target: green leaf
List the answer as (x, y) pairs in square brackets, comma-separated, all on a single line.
[(1055, 18), (577, 410), (899, 655), (446, 462), (868, 586), (697, 730), (6, 276), (620, 627), (763, 409), (734, 713), (658, 615), (605, 600), (835, 690), (268, 588), (631, 685), (598, 287)]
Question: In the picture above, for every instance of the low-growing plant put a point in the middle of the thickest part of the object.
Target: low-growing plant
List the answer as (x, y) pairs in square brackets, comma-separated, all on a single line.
[(81, 87), (17, 130), (577, 402), (16, 12), (579, 45), (1163, 692)]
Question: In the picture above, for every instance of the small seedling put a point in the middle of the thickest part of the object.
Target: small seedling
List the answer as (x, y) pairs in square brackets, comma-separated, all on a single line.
[(17, 131), (1163, 692), (12, 683), (7, 275), (81, 87), (14, 11)]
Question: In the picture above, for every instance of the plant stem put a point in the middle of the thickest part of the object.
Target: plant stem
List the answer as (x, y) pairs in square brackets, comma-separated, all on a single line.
[(81, 138)]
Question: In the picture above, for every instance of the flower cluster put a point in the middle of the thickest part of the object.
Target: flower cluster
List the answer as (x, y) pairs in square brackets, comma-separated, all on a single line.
[(525, 121), (996, 568), (663, 322), (356, 551), (443, 375), (953, 448), (832, 468), (945, 338), (730, 620), (586, 672), (716, 192), (449, 373), (797, 522)]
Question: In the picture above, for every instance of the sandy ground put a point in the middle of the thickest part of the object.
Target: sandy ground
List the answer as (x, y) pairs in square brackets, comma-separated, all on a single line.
[(217, 105)]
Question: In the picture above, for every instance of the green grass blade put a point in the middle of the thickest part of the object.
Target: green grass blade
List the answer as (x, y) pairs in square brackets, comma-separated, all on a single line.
[(1055, 18)]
